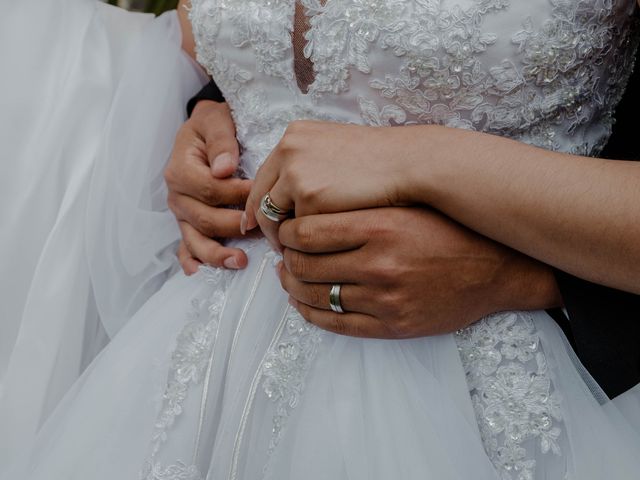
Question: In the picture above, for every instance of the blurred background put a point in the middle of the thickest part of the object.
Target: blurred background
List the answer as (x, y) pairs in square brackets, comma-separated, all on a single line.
[(152, 6)]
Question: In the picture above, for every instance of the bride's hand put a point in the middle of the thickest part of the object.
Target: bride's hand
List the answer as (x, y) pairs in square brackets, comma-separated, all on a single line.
[(322, 167)]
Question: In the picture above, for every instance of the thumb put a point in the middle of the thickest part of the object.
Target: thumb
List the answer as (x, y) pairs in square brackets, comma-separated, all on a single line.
[(224, 164)]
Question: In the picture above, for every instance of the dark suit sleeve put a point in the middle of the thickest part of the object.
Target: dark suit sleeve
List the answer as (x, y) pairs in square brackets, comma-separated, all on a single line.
[(209, 92), (605, 325)]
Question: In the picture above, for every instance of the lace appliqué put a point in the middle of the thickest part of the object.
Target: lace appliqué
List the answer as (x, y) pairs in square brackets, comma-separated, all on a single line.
[(341, 35), (546, 91), (441, 76), (285, 368), (266, 26), (189, 364), (179, 471), (259, 127), (512, 393)]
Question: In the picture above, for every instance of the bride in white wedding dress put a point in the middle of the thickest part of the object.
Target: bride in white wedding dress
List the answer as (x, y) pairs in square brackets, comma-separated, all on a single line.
[(217, 376)]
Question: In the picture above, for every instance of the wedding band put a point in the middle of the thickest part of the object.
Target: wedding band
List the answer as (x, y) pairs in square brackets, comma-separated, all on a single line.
[(271, 210), (334, 298)]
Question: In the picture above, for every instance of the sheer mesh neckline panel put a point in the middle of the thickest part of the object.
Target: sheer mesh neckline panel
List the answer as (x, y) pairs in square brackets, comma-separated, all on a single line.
[(302, 66)]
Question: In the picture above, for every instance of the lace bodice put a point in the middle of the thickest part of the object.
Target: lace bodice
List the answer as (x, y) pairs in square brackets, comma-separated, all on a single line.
[(546, 72)]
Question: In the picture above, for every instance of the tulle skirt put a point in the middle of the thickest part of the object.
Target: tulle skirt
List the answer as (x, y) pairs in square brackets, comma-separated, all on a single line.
[(215, 376), (218, 377), (65, 66)]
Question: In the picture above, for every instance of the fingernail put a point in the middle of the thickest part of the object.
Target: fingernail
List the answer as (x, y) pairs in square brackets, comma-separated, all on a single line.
[(243, 223), (232, 263), (222, 164), (250, 226)]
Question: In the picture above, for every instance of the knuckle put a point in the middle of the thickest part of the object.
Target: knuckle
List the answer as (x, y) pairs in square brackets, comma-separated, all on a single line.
[(188, 244), (204, 224), (221, 140), (303, 234), (214, 255), (172, 201), (285, 281), (297, 264), (307, 193), (387, 270), (401, 328), (390, 303), (339, 325), (170, 173), (315, 297), (398, 322), (211, 194), (306, 313), (292, 135)]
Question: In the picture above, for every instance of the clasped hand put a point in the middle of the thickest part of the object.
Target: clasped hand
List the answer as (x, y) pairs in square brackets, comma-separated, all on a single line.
[(406, 272), (322, 167)]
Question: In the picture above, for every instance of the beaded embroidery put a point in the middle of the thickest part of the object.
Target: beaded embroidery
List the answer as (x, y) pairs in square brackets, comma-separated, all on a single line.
[(188, 367), (511, 391), (285, 367)]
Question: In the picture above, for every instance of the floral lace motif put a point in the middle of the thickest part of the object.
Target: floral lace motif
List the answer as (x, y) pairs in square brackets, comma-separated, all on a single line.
[(341, 35), (285, 367), (189, 364), (550, 87), (179, 471), (512, 393)]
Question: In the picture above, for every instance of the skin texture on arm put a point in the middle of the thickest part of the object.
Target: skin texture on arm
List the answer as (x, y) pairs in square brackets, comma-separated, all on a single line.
[(579, 214)]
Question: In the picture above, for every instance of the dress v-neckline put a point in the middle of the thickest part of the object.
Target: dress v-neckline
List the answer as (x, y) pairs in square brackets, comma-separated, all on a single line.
[(304, 71)]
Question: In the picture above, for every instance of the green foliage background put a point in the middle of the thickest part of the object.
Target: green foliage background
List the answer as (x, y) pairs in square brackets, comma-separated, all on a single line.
[(152, 6)]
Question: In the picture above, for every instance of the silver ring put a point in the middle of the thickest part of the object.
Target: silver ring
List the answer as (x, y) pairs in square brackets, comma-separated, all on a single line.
[(334, 298), (271, 210)]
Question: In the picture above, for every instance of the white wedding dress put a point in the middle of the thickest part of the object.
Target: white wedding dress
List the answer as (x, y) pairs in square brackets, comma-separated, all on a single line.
[(216, 377)]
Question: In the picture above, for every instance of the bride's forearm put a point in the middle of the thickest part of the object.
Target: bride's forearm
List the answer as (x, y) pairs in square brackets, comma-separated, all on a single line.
[(579, 214)]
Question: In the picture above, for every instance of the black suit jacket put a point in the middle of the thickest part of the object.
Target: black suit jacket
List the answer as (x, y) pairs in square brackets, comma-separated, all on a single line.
[(603, 324)]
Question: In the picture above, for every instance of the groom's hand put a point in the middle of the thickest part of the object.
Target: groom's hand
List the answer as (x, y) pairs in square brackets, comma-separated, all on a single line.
[(201, 188), (405, 272)]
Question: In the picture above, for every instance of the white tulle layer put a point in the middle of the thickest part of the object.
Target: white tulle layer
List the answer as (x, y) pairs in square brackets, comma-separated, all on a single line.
[(65, 67), (215, 376)]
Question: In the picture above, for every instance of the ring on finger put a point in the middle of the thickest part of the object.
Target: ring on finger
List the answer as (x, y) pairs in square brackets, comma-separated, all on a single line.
[(271, 210), (334, 298)]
